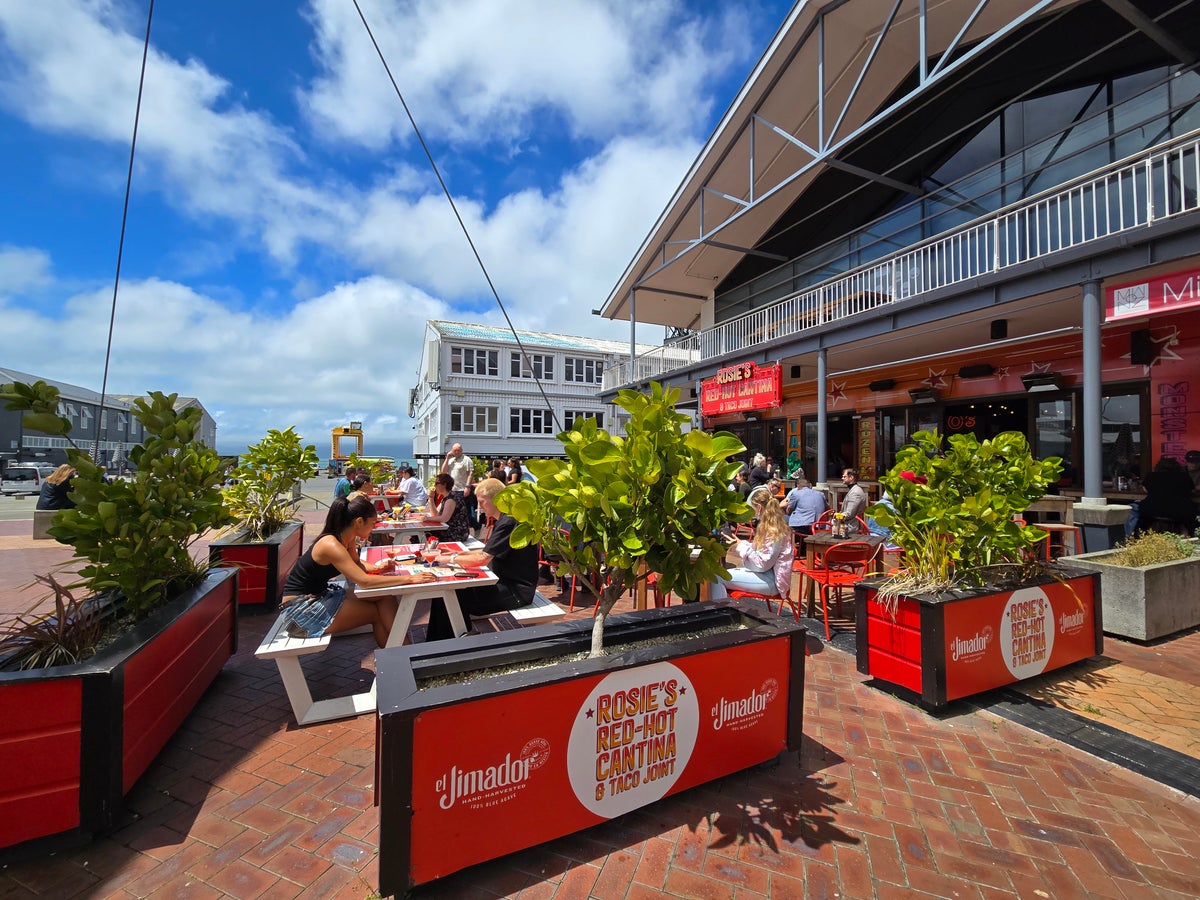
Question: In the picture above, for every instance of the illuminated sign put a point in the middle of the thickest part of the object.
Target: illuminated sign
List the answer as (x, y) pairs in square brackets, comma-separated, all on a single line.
[(741, 387)]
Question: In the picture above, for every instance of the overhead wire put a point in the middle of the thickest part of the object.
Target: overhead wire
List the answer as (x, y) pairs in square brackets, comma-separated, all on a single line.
[(525, 357), (112, 315)]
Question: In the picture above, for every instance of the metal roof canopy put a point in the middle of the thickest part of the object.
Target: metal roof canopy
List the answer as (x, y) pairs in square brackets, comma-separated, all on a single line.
[(780, 133)]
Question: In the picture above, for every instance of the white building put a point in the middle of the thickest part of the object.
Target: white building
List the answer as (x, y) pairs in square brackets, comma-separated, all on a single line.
[(474, 388)]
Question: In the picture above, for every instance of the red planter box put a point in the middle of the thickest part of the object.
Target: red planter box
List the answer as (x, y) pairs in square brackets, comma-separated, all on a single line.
[(954, 645), (475, 770), (263, 566), (74, 739)]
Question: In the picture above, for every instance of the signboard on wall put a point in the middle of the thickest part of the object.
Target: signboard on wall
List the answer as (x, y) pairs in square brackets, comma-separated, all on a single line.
[(740, 388), (865, 447), (1157, 294)]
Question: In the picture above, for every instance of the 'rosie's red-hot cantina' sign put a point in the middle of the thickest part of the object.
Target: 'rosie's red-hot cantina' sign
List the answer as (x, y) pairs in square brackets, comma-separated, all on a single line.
[(1159, 293), (1002, 638), (564, 756), (742, 387)]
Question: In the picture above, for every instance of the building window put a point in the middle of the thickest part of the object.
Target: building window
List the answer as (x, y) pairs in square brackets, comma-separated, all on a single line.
[(475, 419), (570, 415), (469, 361), (540, 365), (103, 419), (584, 371), (531, 421), (122, 419)]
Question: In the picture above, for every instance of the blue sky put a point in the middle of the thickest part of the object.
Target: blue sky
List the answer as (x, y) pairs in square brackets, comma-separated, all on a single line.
[(287, 239)]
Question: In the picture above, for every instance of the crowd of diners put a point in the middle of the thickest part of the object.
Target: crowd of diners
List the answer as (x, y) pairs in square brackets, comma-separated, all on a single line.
[(467, 508)]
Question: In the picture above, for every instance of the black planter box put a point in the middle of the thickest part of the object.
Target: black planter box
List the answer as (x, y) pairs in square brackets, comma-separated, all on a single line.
[(473, 770)]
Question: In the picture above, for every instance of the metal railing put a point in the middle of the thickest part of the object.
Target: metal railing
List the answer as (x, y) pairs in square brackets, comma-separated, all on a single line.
[(653, 363), (1160, 183)]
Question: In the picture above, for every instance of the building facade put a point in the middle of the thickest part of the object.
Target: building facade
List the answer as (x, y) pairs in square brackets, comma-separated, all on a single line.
[(965, 216), (109, 433), (479, 388)]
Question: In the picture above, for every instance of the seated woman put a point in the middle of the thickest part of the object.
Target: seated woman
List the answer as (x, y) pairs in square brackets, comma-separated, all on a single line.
[(767, 559), (447, 505), (335, 551), (516, 568), (361, 486), (410, 486), (56, 489)]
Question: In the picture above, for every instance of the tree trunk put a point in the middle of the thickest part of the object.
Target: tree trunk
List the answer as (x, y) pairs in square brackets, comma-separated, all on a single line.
[(604, 604)]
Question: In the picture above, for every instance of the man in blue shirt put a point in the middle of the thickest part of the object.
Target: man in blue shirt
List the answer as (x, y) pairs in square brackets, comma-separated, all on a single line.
[(344, 485), (803, 506)]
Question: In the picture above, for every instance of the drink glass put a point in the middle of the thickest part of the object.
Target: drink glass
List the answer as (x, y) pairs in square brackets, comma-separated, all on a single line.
[(430, 551)]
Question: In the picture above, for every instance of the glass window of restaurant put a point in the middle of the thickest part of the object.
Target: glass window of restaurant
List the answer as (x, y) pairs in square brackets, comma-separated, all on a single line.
[(1123, 411)]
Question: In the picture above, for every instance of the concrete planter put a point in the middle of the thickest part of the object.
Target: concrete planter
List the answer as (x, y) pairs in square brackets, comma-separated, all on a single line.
[(472, 770), (75, 739), (263, 566), (1147, 602)]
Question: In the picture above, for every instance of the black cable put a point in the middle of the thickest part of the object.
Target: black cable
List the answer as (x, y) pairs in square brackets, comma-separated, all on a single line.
[(461, 223), (112, 316)]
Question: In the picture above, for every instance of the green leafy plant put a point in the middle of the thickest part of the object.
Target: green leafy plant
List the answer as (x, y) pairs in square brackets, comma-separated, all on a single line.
[(953, 508), (1151, 547), (380, 472), (68, 635), (626, 507), (133, 537), (262, 499)]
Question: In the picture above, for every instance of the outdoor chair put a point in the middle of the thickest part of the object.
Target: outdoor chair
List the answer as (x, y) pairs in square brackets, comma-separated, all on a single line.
[(842, 565)]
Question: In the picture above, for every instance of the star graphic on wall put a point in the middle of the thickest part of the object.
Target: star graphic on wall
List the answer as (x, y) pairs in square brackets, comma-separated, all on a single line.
[(935, 379), (1001, 371), (1038, 368), (837, 391), (1162, 347)]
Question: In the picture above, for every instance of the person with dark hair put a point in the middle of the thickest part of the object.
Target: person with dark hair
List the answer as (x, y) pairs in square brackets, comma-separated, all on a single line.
[(362, 486), (516, 569), (515, 472), (854, 504), (322, 607), (56, 488), (410, 486), (1168, 497), (803, 506), (344, 485), (446, 505)]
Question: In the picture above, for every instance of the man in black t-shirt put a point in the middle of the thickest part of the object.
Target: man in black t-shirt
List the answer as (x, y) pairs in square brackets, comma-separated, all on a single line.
[(517, 570)]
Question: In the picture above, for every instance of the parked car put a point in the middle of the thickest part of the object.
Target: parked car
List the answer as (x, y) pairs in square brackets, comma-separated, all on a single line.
[(24, 478)]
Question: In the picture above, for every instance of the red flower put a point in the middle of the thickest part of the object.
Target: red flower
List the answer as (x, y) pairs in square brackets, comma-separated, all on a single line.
[(914, 478)]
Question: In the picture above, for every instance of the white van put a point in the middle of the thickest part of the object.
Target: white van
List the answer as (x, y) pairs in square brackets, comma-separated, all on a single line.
[(24, 478)]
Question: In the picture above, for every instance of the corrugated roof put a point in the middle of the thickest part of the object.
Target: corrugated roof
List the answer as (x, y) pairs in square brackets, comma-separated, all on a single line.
[(66, 390), (468, 331)]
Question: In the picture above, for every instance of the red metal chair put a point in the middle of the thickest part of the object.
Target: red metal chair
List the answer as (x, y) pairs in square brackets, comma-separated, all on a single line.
[(739, 594), (839, 566)]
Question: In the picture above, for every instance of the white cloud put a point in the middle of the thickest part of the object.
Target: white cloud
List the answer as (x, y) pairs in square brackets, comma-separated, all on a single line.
[(483, 71), (23, 269), (346, 354)]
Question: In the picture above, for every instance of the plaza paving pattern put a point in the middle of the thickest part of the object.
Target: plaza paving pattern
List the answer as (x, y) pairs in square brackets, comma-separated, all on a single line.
[(883, 800)]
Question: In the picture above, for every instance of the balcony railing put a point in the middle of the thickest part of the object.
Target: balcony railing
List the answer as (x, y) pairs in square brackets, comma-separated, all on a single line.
[(650, 365), (1161, 183)]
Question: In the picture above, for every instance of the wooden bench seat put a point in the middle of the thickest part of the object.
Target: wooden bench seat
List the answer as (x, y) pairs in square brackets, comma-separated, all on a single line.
[(278, 645)]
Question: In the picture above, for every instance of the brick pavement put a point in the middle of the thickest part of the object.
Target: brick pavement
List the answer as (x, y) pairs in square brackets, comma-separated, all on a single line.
[(884, 800)]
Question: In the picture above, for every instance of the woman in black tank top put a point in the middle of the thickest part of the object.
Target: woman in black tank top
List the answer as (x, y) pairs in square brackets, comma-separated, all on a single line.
[(335, 552)]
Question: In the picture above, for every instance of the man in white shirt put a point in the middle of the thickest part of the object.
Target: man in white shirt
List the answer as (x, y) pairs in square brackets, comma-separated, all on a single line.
[(459, 466)]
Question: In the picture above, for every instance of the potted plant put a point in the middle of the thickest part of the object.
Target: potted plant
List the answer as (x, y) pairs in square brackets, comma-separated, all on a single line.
[(573, 723), (1150, 587), (267, 539), (972, 608), (85, 731)]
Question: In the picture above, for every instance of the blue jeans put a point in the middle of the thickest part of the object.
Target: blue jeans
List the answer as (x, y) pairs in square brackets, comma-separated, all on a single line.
[(745, 580), (310, 615)]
